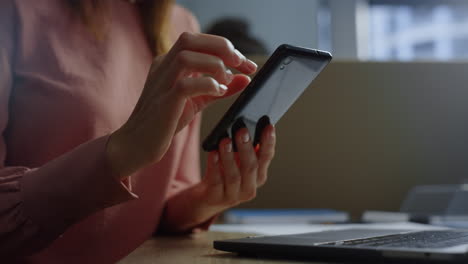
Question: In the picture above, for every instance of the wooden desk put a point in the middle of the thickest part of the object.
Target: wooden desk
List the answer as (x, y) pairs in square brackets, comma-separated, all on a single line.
[(196, 248)]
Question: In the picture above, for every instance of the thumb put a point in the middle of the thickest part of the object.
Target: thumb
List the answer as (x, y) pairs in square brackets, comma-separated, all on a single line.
[(238, 84)]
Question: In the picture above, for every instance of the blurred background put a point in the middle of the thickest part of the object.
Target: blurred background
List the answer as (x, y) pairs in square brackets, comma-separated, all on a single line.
[(381, 30), (389, 113)]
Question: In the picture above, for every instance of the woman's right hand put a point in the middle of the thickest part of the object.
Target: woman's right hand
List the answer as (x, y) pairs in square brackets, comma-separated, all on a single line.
[(179, 85)]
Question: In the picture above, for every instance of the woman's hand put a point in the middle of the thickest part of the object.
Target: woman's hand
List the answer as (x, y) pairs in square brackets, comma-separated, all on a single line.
[(179, 85), (231, 178)]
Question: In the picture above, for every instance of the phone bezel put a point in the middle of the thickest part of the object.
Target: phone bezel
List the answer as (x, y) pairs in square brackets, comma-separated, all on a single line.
[(219, 132)]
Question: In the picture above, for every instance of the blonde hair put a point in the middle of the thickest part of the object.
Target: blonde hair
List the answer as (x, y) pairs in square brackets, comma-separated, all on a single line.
[(154, 14)]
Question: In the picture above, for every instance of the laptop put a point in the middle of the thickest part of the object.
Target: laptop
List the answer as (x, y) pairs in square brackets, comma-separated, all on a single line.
[(448, 245)]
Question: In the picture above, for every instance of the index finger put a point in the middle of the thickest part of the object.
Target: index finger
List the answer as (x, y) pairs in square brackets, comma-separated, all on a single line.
[(216, 46)]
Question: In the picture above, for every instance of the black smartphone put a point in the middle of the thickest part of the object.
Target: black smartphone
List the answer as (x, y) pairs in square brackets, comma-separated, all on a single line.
[(277, 85)]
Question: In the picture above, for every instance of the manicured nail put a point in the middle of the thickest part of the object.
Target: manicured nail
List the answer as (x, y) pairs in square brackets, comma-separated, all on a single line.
[(272, 134), (228, 147), (215, 158), (240, 56), (222, 89), (245, 137), (229, 76), (251, 65)]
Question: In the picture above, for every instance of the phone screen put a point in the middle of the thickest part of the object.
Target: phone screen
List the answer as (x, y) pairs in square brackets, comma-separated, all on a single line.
[(286, 83), (283, 78)]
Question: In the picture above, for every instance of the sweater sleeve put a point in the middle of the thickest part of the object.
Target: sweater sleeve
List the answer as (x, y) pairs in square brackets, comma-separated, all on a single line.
[(37, 205), (189, 171), (188, 175)]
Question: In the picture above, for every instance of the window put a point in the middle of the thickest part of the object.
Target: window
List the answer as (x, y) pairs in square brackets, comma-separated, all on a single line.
[(422, 14), (460, 14), (413, 30), (424, 50), (460, 47)]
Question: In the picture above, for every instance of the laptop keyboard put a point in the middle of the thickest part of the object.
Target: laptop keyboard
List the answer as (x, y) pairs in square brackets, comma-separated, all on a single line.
[(423, 239)]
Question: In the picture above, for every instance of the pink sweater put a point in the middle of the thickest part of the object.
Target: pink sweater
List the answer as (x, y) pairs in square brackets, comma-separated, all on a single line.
[(61, 93)]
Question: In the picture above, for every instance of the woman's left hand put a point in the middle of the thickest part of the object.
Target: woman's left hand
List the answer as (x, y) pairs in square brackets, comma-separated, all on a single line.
[(231, 178)]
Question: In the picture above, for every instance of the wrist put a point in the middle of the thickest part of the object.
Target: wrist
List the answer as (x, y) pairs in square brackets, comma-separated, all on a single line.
[(119, 155), (203, 207), (188, 209)]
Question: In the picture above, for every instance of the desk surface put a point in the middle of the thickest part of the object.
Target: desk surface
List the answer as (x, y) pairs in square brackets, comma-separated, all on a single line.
[(196, 248)]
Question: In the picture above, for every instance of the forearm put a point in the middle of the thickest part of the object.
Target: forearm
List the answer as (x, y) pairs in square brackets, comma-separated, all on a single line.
[(38, 205)]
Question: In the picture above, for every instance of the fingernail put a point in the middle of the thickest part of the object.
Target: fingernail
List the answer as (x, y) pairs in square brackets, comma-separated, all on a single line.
[(228, 147), (229, 76), (240, 56), (215, 158), (245, 137), (272, 134), (251, 65), (222, 89)]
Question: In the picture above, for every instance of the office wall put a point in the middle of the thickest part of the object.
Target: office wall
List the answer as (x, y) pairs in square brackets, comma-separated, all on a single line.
[(273, 21), (365, 133)]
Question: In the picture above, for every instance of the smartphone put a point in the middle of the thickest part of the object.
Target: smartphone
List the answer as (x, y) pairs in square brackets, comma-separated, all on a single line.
[(277, 85)]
